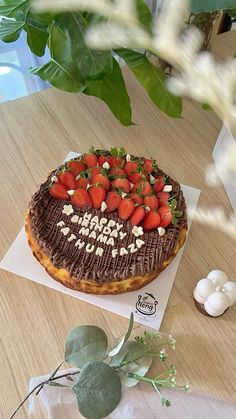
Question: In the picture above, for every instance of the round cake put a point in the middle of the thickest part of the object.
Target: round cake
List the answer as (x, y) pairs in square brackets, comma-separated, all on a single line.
[(106, 222)]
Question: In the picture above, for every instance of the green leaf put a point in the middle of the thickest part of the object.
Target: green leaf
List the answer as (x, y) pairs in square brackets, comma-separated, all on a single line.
[(112, 90), (91, 63), (129, 352), (98, 390), (199, 6), (85, 344), (206, 107), (61, 71), (10, 29), (125, 338), (139, 367), (153, 80), (37, 37), (144, 14), (11, 8)]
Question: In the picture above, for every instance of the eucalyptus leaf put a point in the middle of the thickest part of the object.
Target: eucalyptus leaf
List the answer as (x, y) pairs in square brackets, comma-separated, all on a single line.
[(112, 90), (139, 367), (129, 352), (199, 6), (10, 29), (125, 338), (61, 71), (11, 8), (153, 79), (85, 344), (98, 390)]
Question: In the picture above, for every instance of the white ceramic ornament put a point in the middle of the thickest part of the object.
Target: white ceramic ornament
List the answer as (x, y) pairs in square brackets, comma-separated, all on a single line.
[(229, 289), (216, 304), (204, 288), (217, 277)]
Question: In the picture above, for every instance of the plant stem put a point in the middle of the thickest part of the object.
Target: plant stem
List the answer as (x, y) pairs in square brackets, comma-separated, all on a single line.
[(41, 385)]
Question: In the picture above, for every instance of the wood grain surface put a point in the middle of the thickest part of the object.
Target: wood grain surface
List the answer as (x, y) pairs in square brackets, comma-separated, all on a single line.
[(36, 134)]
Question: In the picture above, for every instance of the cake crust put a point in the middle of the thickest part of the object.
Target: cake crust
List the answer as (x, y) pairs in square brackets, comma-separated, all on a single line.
[(61, 275)]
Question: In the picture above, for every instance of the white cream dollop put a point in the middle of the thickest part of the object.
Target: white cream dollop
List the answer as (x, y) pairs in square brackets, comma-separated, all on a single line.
[(229, 289), (106, 165), (218, 277), (167, 188), (204, 288), (216, 304)]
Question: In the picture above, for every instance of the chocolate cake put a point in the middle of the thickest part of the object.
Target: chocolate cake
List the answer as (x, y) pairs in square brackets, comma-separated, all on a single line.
[(106, 222)]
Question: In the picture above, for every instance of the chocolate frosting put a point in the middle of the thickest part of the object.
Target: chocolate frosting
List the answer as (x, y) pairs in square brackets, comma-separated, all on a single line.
[(46, 212)]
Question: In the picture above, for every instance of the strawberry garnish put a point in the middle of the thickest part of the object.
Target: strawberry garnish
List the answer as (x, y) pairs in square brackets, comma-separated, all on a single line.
[(149, 165), (121, 183), (142, 188), (90, 159), (165, 216), (81, 198), (94, 171), (102, 180), (130, 167), (151, 220), (159, 184), (76, 167), (102, 160), (58, 191), (115, 172), (137, 216), (82, 182), (138, 200), (169, 214), (117, 157), (137, 176), (97, 194), (163, 198), (151, 201), (125, 208), (68, 179), (112, 200)]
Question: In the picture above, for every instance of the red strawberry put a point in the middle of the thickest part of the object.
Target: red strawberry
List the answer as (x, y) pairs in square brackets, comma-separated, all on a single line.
[(151, 201), (136, 198), (159, 184), (81, 198), (137, 216), (163, 198), (165, 216), (102, 160), (58, 191), (121, 183), (149, 165), (68, 179), (126, 208), (90, 159), (151, 220), (136, 177), (94, 171), (112, 200), (142, 188), (130, 167), (117, 172), (97, 195), (76, 167), (82, 182), (116, 161), (102, 180)]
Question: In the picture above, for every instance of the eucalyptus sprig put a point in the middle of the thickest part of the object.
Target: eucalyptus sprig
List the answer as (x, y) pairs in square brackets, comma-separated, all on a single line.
[(101, 374)]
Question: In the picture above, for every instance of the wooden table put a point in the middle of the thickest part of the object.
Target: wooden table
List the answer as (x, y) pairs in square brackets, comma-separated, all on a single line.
[(36, 133)]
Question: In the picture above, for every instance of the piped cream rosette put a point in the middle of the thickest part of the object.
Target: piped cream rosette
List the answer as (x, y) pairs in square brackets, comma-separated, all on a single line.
[(216, 292)]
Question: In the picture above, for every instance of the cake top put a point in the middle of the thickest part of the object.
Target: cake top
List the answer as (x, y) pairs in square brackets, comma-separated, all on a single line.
[(108, 215)]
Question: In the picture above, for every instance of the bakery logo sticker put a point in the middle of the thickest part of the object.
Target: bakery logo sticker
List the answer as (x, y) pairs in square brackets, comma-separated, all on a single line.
[(146, 307)]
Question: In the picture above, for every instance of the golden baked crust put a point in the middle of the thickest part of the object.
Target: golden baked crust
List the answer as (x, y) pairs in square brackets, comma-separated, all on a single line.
[(116, 287)]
